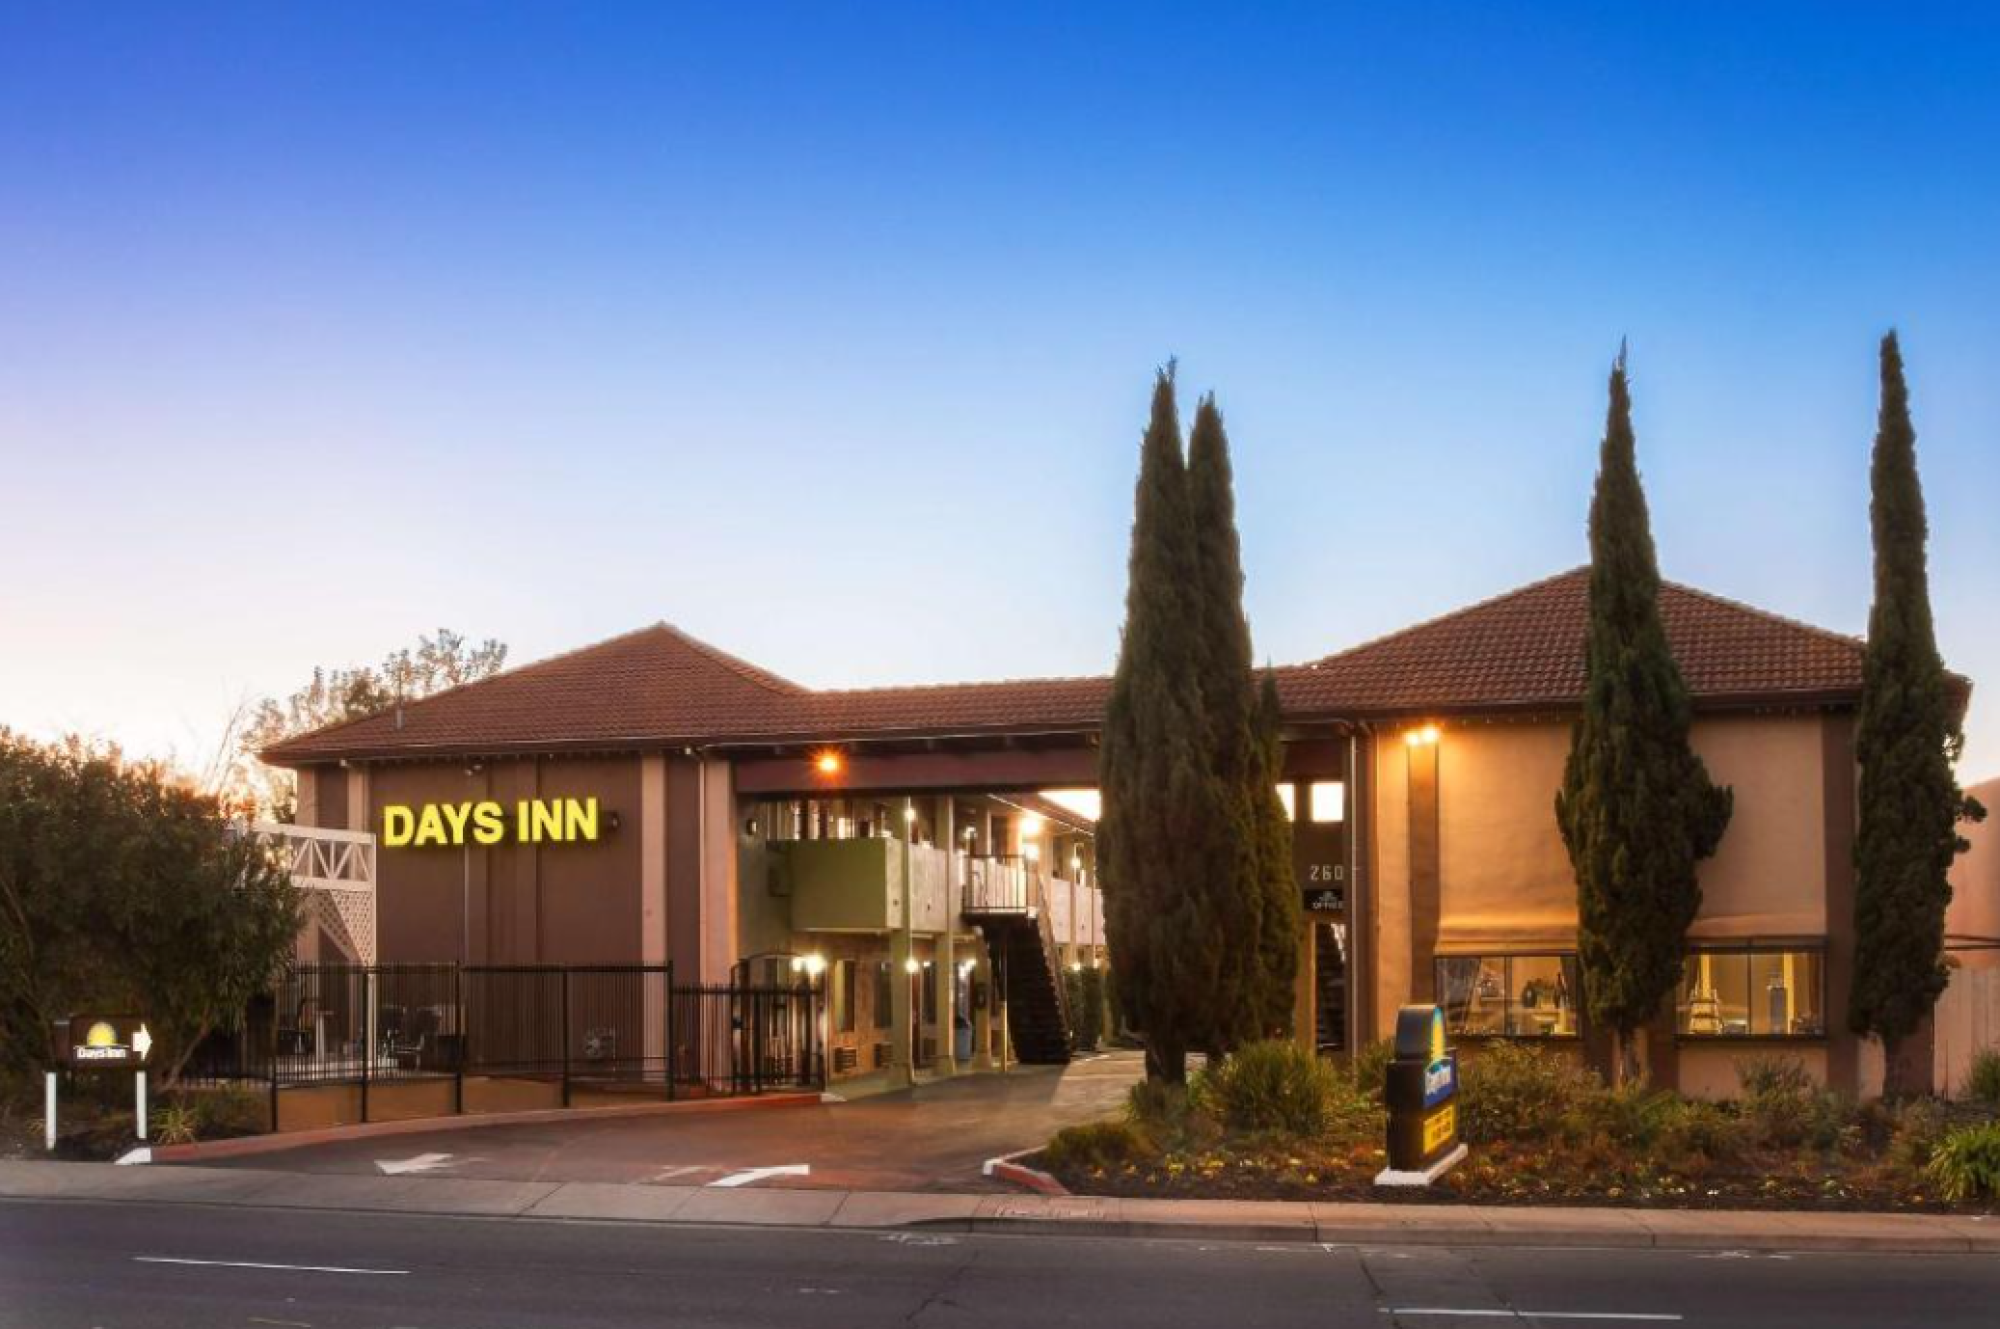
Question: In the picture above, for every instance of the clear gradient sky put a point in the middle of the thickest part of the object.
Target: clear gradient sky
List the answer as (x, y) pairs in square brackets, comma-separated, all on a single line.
[(826, 332)]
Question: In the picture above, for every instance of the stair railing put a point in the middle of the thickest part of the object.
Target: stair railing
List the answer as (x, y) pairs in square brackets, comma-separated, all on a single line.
[(1051, 951)]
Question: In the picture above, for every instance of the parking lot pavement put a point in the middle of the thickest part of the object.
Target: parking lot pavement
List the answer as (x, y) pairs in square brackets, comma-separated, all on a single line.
[(932, 1138)]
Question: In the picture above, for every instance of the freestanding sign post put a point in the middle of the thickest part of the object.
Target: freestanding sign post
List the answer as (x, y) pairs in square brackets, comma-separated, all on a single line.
[(101, 1043), (1421, 1092)]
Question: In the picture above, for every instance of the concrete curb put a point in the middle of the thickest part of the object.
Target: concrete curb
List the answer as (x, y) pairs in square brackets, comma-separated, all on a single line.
[(1304, 1223), (1010, 1169), (246, 1146)]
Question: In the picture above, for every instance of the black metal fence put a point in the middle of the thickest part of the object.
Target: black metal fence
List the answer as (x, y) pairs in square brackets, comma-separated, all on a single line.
[(601, 1027)]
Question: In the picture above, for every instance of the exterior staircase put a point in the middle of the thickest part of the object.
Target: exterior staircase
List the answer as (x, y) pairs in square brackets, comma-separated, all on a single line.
[(1007, 899)]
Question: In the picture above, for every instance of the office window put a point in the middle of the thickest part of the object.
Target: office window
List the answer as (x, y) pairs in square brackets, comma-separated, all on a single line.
[(843, 996), (1329, 801), (884, 999), (1753, 992), (1288, 794), (1509, 996)]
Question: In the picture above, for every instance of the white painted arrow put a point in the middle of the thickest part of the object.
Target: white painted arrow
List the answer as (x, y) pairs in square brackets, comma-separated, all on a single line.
[(749, 1175), (142, 1042), (421, 1163)]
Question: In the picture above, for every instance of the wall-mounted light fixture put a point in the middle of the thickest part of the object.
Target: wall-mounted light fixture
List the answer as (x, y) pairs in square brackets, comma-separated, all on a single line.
[(827, 762), (1424, 737)]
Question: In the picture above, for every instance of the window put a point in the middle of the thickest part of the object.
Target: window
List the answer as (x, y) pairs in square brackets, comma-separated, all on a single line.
[(884, 1001), (1329, 801), (1753, 992), (927, 994), (843, 996), (1288, 795), (1509, 996)]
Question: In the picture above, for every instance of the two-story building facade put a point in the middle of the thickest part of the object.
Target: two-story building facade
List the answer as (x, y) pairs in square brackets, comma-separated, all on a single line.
[(651, 799)]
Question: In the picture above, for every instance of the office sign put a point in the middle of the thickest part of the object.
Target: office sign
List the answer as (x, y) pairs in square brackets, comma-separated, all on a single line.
[(104, 1042), (1421, 1092), (486, 822)]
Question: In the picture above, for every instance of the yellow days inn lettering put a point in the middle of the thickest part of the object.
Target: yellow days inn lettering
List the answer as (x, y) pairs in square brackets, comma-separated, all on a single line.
[(533, 821)]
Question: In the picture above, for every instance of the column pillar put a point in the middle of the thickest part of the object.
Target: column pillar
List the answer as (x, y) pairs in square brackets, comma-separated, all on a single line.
[(902, 953), (946, 974)]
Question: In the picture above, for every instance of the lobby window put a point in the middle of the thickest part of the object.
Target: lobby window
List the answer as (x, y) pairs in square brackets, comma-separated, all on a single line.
[(884, 997), (1753, 992), (1328, 799), (1509, 996), (1288, 794), (843, 996)]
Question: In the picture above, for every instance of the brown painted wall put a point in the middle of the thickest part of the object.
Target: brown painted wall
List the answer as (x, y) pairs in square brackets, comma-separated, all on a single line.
[(512, 903)]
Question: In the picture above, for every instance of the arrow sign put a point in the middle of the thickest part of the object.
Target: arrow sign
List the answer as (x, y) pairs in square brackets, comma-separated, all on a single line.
[(396, 1167), (749, 1175), (142, 1042)]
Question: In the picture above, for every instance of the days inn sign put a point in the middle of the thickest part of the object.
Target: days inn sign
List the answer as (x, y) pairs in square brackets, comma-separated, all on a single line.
[(486, 822), (1421, 1092)]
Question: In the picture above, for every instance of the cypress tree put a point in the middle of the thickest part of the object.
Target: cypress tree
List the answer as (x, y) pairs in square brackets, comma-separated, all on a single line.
[(1277, 880), (1149, 768), (1637, 808), (1907, 739), (1233, 764)]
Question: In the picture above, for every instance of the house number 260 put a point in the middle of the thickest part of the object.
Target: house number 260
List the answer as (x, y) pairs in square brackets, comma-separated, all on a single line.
[(1326, 872)]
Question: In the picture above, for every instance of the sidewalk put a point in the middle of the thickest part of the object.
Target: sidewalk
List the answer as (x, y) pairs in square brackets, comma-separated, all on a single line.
[(1211, 1220)]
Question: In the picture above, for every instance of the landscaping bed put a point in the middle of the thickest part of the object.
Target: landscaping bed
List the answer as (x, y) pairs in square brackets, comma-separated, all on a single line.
[(1275, 1124)]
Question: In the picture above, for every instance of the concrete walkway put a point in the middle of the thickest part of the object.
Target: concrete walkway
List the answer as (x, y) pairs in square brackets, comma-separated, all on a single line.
[(1215, 1220)]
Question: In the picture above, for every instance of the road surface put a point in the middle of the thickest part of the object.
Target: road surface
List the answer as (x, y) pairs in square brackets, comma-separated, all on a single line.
[(136, 1266)]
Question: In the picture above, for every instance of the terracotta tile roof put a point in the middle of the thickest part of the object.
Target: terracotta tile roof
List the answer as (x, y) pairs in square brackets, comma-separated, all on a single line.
[(1518, 651), (1524, 650)]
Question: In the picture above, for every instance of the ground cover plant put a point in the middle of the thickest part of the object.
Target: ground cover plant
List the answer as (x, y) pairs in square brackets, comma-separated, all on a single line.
[(1276, 1122)]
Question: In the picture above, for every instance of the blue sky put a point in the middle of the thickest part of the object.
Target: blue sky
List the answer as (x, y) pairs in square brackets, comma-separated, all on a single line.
[(826, 332)]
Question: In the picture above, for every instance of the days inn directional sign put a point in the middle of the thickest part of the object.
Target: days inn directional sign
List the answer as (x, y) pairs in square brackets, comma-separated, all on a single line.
[(1421, 1092), (104, 1042)]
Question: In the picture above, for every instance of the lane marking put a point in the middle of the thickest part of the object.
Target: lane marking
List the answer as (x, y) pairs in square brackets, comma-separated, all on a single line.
[(1488, 1314), (256, 1264), (748, 1175), (396, 1167)]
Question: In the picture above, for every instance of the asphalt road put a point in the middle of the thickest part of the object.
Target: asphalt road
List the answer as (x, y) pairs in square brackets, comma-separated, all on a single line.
[(103, 1266), (930, 1139)]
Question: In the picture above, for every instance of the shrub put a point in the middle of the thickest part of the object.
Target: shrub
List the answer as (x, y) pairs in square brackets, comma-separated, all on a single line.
[(1982, 1083), (1275, 1086), (1370, 1067), (1784, 1108), (1690, 1128), (1916, 1128), (1098, 1144), (223, 1113), (1516, 1092), (1966, 1162), (176, 1123)]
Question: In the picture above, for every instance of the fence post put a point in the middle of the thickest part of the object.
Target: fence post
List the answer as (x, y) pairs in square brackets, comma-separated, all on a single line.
[(673, 1042), (458, 1068), (565, 1036), (367, 1036)]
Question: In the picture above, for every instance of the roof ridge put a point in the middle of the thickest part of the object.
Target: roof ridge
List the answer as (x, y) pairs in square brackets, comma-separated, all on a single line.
[(881, 688), (1445, 617), (740, 667), (1786, 620), (736, 664)]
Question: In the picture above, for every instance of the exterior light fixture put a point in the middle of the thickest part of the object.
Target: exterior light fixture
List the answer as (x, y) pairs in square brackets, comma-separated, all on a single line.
[(827, 763), (910, 812), (910, 966), (1423, 737), (815, 964), (1032, 852), (1076, 966), (1031, 825), (1076, 862)]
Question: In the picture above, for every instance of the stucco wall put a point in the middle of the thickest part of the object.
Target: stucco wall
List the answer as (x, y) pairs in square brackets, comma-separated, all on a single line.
[(1506, 878), (1391, 842), (1768, 878)]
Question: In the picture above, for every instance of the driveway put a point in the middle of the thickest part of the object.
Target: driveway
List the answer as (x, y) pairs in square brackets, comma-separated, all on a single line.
[(932, 1138)]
